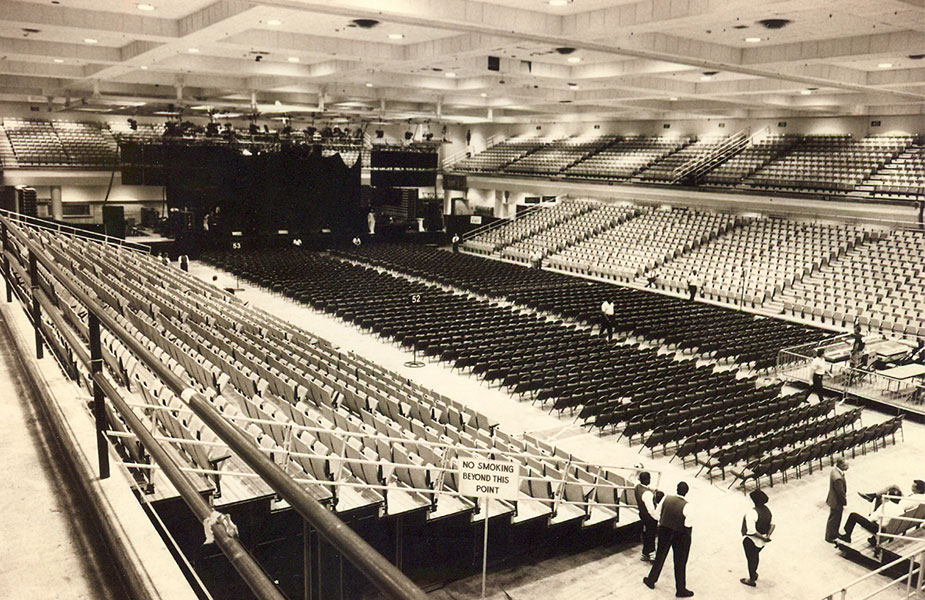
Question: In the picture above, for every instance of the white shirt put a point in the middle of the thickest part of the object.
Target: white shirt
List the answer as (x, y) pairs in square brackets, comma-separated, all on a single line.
[(819, 366), (685, 513), (693, 280), (751, 521), (607, 308), (648, 500)]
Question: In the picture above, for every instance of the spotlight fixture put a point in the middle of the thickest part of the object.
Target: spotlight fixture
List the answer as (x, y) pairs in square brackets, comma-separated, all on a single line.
[(365, 23), (573, 86), (774, 23), (565, 50), (917, 56)]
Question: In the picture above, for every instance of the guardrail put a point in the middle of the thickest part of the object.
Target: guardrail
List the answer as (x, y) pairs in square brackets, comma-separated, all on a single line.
[(913, 579), (75, 231), (385, 576), (500, 223)]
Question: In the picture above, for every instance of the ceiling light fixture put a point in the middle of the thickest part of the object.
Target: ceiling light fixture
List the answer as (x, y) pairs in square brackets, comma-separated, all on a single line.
[(805, 92), (483, 95), (193, 50), (673, 98), (885, 66), (450, 74), (144, 67), (369, 84), (753, 40), (574, 59), (558, 2), (396, 36), (59, 60), (145, 7), (274, 22), (91, 41), (293, 59), (573, 86)]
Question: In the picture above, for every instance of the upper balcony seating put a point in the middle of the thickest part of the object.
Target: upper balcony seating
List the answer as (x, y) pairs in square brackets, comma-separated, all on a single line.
[(743, 164), (901, 179), (663, 170), (828, 163), (541, 219), (552, 159), (626, 157), (752, 263), (38, 143), (493, 159)]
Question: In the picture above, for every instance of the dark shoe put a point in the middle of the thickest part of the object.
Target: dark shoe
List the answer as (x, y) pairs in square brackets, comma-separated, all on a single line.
[(646, 558), (828, 541), (845, 538), (649, 584), (869, 497), (872, 540), (684, 594), (748, 582)]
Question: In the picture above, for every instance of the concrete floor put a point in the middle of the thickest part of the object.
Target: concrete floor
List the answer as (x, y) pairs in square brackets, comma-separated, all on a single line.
[(48, 550), (797, 565)]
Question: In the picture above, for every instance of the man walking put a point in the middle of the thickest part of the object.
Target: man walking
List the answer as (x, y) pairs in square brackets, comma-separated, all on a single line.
[(645, 502), (607, 318), (673, 533), (756, 532), (693, 284), (837, 499)]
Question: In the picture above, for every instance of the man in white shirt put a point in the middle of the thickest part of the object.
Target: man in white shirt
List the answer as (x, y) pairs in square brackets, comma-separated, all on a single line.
[(756, 532), (819, 367), (889, 509), (693, 284), (607, 318), (645, 502), (674, 533)]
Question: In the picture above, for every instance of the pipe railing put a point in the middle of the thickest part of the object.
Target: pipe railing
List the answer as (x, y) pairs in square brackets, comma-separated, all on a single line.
[(75, 231), (913, 579), (385, 576), (500, 223)]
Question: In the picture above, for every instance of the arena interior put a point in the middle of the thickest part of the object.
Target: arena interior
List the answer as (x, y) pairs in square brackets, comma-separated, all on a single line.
[(415, 299)]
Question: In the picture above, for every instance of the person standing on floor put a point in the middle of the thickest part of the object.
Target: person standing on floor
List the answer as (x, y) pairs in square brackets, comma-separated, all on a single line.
[(693, 284), (607, 318), (674, 533), (645, 502), (837, 499), (756, 532), (455, 242)]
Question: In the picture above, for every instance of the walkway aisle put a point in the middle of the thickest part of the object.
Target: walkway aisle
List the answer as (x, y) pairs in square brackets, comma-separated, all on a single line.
[(47, 552), (798, 565)]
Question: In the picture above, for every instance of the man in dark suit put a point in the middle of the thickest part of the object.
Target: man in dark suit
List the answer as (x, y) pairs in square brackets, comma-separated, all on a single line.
[(674, 533), (837, 499)]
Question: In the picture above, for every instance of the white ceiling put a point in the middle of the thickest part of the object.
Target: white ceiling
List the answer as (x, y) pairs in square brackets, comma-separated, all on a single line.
[(638, 58)]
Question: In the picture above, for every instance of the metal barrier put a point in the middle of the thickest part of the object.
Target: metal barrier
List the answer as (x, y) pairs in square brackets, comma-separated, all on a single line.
[(75, 231), (913, 579), (385, 576)]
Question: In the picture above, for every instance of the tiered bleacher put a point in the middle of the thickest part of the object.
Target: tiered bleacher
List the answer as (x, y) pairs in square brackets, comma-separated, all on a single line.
[(664, 169), (625, 158), (500, 155), (901, 179), (828, 163), (751, 264), (538, 220), (37, 143), (599, 218), (557, 156), (752, 158), (879, 284), (641, 244)]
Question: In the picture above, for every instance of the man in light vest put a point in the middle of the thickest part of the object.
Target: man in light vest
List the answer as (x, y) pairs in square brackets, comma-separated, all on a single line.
[(673, 533)]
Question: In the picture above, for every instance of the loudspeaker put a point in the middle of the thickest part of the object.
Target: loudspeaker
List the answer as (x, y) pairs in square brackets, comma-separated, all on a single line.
[(114, 221), (494, 63)]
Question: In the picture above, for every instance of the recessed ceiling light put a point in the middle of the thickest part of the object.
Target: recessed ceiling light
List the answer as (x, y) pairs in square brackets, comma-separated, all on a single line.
[(573, 86), (450, 74), (753, 40), (396, 36), (558, 2), (706, 78), (144, 67), (91, 41), (59, 60), (193, 50), (483, 95), (574, 59), (274, 22), (293, 59), (673, 98), (369, 84), (805, 92), (145, 7), (885, 66)]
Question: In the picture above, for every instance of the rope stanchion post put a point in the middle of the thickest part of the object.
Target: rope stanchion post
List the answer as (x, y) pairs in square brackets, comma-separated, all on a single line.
[(99, 400)]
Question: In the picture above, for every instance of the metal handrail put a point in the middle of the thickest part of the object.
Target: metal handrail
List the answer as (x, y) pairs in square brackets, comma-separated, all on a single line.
[(692, 165), (842, 593), (75, 231), (384, 575), (500, 223)]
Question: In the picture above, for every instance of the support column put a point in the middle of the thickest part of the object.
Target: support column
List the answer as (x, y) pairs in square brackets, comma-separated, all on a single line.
[(99, 400), (500, 208), (57, 208), (448, 208)]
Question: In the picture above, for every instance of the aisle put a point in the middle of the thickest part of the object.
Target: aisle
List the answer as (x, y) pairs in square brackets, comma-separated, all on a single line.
[(47, 550)]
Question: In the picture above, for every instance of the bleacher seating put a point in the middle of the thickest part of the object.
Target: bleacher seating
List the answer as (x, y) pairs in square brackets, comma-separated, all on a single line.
[(753, 263), (557, 156), (496, 157), (641, 244), (536, 221), (663, 170), (828, 163), (752, 158), (879, 284), (901, 179), (35, 143), (38, 143), (625, 157)]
